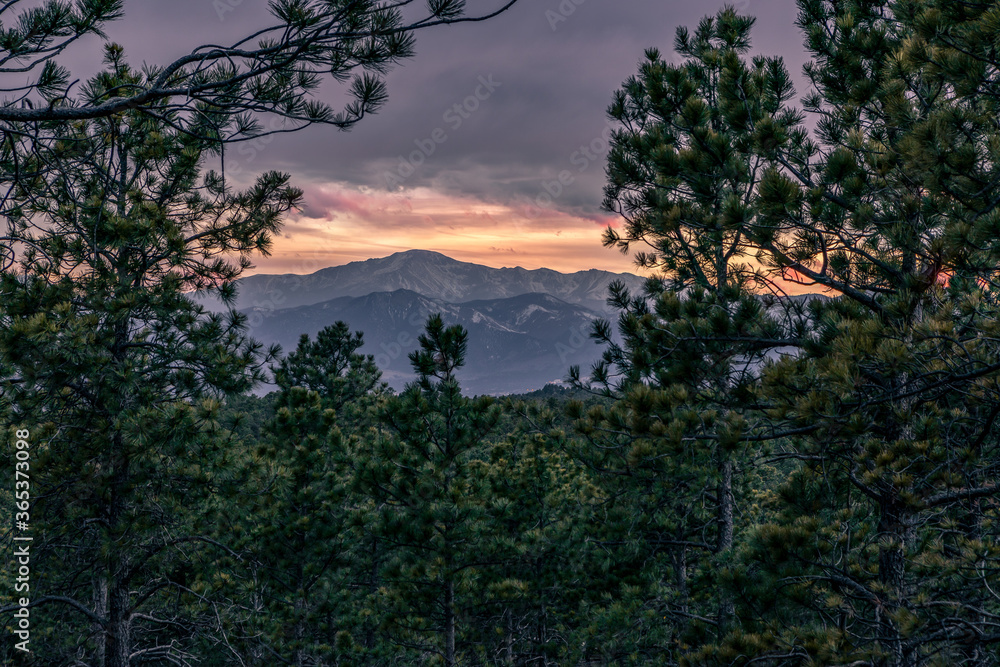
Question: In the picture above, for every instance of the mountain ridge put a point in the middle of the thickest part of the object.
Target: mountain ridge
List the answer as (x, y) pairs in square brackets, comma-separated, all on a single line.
[(515, 344), (425, 272)]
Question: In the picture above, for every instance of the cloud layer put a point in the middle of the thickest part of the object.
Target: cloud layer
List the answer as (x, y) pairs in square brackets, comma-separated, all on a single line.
[(492, 144)]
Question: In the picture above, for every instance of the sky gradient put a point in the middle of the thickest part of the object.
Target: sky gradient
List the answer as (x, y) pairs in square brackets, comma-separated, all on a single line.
[(466, 157)]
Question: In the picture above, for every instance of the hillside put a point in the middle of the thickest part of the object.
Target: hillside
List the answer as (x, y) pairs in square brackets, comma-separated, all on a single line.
[(516, 344)]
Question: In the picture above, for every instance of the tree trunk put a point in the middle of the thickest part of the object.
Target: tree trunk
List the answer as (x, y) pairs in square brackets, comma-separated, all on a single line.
[(509, 641), (682, 577), (449, 623), (725, 539), (100, 607), (892, 577), (372, 590), (118, 638), (300, 631)]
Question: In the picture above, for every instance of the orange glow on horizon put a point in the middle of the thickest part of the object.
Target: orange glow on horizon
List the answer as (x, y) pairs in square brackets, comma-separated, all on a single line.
[(341, 224)]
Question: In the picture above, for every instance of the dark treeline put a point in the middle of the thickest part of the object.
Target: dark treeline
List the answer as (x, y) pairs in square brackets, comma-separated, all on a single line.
[(747, 478)]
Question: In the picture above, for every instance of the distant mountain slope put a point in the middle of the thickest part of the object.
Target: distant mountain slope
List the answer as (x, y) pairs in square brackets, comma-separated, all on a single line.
[(516, 344), (428, 274)]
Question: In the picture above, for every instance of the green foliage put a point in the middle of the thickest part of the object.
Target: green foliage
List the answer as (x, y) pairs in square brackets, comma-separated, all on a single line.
[(298, 543), (275, 70), (118, 375), (310, 572), (425, 478), (347, 382), (876, 549), (677, 449), (746, 478)]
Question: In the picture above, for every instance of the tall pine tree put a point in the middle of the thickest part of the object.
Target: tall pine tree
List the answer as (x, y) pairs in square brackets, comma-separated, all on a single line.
[(118, 375), (426, 476), (677, 447)]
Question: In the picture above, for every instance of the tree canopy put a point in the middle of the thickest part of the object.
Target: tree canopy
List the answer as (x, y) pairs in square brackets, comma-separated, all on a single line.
[(787, 455)]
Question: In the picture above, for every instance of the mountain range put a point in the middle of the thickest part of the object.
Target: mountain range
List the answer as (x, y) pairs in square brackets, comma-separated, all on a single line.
[(427, 273), (515, 345), (526, 327)]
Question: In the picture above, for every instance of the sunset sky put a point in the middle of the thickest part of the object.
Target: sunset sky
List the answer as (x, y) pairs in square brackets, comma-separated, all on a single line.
[(477, 181)]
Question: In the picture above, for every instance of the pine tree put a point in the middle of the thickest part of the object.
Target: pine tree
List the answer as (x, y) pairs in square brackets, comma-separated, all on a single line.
[(312, 572), (676, 448), (332, 367), (425, 477), (543, 507), (118, 375), (881, 550), (299, 539)]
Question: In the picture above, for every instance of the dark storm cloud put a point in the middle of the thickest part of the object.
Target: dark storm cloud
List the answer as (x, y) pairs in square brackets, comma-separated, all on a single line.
[(496, 111)]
